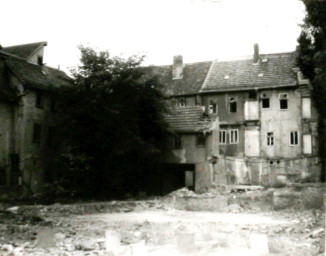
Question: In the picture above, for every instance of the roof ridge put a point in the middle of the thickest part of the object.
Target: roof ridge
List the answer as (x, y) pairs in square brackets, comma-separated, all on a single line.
[(17, 45)]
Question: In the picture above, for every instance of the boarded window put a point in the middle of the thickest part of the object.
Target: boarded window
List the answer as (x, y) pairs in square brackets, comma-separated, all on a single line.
[(222, 136), (294, 138), (37, 130), (232, 104), (251, 110), (306, 107), (252, 147), (307, 145), (234, 136), (283, 101), (201, 140), (38, 100), (270, 139)]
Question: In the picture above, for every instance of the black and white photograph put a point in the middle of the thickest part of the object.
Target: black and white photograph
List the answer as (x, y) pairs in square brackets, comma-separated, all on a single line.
[(163, 127)]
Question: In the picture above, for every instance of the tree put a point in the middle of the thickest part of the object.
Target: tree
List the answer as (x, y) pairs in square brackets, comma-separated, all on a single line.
[(312, 62), (110, 125)]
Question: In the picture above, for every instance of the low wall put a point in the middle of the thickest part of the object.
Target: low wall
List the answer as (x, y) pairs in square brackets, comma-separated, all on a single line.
[(259, 171)]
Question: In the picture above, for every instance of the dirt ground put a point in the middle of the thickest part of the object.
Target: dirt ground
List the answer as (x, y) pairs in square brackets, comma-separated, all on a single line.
[(155, 227)]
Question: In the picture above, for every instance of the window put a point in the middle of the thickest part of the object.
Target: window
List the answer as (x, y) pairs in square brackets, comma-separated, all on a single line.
[(252, 95), (201, 140), (182, 102), (37, 130), (283, 101), (232, 104), (265, 103), (222, 136), (234, 136), (38, 100), (40, 60), (307, 144), (294, 138), (212, 108), (270, 139), (176, 141), (306, 108)]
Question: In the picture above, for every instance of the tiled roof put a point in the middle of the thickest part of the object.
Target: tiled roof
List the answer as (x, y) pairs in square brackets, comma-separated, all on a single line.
[(194, 75), (189, 120), (36, 76), (273, 70), (24, 50)]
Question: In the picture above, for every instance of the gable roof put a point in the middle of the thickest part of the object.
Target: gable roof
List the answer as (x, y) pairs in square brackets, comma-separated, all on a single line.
[(194, 75), (277, 71), (36, 76), (24, 50), (189, 120)]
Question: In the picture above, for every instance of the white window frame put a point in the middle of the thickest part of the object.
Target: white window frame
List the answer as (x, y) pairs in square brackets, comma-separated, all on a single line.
[(270, 139), (221, 136), (234, 136), (280, 98), (298, 138)]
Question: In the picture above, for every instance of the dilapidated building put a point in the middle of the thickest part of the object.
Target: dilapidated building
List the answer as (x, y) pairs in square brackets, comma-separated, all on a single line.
[(267, 120), (26, 131)]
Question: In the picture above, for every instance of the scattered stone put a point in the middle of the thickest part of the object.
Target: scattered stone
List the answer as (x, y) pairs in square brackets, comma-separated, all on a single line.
[(112, 241), (45, 238)]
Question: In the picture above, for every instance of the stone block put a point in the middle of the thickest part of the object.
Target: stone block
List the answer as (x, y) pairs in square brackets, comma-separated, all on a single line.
[(112, 241), (185, 242), (45, 238), (259, 244)]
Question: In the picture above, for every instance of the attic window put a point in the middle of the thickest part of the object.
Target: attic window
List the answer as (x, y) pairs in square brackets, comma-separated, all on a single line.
[(226, 77), (40, 60), (260, 74)]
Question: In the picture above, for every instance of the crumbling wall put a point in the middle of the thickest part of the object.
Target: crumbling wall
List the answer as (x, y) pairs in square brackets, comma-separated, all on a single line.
[(258, 171)]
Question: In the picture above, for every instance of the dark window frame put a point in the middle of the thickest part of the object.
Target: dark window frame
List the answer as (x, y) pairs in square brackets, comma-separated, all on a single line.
[(265, 103)]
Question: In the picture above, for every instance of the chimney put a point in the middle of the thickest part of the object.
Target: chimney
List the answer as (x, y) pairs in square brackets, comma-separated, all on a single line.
[(256, 53), (177, 69)]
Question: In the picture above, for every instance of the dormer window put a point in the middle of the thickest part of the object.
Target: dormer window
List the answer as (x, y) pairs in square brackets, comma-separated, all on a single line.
[(40, 60)]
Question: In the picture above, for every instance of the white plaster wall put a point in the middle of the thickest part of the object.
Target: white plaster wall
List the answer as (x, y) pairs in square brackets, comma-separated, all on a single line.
[(281, 123)]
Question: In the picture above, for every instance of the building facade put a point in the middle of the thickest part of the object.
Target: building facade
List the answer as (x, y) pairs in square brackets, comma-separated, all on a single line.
[(26, 130), (267, 120)]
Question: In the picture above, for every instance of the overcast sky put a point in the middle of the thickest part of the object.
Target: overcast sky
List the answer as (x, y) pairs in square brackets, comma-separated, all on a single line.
[(198, 29)]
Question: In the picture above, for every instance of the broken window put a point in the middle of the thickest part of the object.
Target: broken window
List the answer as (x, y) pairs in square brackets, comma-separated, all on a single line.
[(283, 101), (234, 136), (37, 130), (182, 102), (270, 139), (201, 140), (38, 100), (232, 104), (294, 138), (222, 136)]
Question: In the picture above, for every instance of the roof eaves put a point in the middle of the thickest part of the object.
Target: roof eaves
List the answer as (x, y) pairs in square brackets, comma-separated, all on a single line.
[(245, 88)]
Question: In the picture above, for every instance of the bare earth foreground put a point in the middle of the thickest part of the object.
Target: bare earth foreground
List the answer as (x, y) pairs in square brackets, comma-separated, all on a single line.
[(153, 227)]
